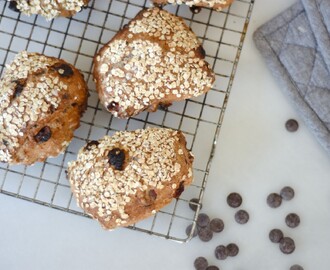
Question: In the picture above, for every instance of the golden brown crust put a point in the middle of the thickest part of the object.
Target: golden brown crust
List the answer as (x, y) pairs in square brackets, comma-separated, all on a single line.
[(155, 59), (214, 4), (50, 9), (156, 169), (42, 100)]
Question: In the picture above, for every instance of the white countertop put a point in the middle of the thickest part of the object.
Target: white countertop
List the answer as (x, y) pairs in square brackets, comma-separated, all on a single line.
[(255, 156)]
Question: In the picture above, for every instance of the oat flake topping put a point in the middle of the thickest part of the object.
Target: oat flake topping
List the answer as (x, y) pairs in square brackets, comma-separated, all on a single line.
[(49, 8)]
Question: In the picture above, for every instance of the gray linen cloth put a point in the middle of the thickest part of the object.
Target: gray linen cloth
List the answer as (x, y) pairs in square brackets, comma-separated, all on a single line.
[(296, 46)]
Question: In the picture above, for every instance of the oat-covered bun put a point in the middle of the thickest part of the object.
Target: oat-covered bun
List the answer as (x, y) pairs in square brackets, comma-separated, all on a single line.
[(127, 177), (154, 60), (41, 101), (50, 9), (214, 4)]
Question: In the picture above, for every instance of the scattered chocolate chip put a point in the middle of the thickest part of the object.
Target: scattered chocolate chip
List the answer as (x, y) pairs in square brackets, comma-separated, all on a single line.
[(242, 217), (20, 84), (212, 267), (217, 225), (193, 203), (179, 190), (203, 220), (195, 9), (90, 144), (292, 220), (232, 250), (64, 70), (113, 106), (188, 231), (13, 6), (287, 245), (275, 235), (200, 263), (291, 125), (234, 200), (287, 193), (43, 135), (274, 200), (205, 234), (125, 26), (116, 158), (296, 267), (152, 194), (221, 252)]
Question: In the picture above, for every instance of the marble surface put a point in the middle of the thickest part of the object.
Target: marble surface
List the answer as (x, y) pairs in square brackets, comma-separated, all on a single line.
[(255, 156)]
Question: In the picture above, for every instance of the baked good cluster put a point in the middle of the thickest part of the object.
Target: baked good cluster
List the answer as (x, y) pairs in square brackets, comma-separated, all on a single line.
[(154, 60)]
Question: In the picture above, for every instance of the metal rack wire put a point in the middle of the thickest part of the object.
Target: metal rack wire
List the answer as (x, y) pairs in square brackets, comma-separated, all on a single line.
[(77, 40)]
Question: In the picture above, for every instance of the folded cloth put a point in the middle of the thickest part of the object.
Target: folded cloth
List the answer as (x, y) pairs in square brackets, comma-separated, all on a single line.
[(296, 46)]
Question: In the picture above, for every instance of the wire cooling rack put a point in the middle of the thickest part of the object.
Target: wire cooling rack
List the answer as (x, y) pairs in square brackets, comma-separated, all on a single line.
[(77, 40)]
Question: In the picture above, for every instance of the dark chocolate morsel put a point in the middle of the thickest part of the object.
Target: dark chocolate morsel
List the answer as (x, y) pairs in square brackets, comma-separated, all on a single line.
[(275, 235), (274, 200), (20, 84), (117, 158), (234, 200), (90, 144), (200, 263), (195, 9), (43, 135), (13, 6), (113, 106), (179, 190), (287, 245), (232, 249), (221, 252), (64, 70), (203, 220)]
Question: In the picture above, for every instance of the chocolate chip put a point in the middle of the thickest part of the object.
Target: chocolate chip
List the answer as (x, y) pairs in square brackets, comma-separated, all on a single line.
[(275, 235), (13, 6), (296, 267), (90, 145), (193, 204), (19, 87), (179, 190), (287, 245), (287, 193), (205, 234), (116, 158), (195, 9), (217, 225), (164, 106), (292, 220), (274, 200), (212, 267), (113, 106), (291, 125), (232, 250), (221, 252), (64, 70), (203, 220), (43, 135), (234, 200), (201, 51), (5, 142), (188, 231), (242, 217), (200, 263), (152, 194)]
